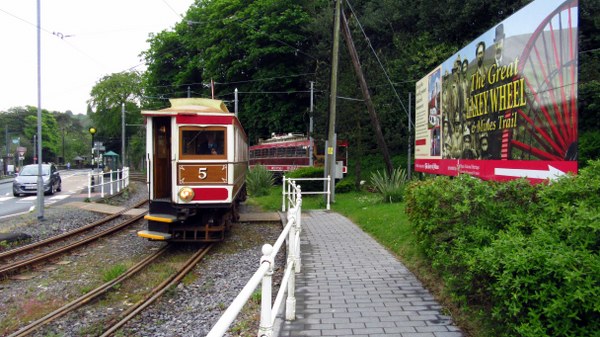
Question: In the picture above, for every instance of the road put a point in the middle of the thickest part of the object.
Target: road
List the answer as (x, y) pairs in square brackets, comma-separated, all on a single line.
[(74, 188)]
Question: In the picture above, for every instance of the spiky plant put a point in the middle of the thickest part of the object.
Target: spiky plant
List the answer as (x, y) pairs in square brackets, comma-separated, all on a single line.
[(390, 187), (259, 180)]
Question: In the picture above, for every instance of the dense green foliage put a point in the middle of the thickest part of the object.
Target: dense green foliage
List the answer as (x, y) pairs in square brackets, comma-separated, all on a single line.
[(271, 50), (63, 134), (259, 181), (528, 256)]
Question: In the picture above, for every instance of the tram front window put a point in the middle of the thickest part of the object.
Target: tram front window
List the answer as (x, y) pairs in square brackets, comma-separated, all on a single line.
[(202, 142)]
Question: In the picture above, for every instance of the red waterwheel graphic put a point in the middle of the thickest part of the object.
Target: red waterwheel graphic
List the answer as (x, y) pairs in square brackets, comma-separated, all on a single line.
[(547, 124)]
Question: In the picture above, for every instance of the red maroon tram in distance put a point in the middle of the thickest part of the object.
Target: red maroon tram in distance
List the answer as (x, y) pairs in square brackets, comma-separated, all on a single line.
[(282, 153), (287, 152), (197, 158)]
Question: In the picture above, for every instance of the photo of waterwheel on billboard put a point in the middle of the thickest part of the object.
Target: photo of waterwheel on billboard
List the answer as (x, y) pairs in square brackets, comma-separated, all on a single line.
[(547, 124)]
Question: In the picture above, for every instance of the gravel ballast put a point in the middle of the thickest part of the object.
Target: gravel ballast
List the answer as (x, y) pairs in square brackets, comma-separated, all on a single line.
[(189, 310)]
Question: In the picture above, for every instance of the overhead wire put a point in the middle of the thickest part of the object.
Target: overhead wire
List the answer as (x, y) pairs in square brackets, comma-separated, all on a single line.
[(379, 61)]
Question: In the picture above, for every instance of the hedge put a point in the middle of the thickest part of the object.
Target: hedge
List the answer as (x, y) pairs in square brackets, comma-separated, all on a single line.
[(525, 255)]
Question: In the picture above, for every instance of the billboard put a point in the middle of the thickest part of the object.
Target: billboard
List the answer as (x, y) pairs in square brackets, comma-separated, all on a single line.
[(505, 106)]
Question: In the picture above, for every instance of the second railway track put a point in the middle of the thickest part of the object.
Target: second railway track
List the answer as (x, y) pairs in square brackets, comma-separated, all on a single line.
[(118, 321), (14, 266)]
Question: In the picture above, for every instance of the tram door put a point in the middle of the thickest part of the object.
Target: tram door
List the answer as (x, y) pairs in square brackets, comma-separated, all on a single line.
[(161, 165)]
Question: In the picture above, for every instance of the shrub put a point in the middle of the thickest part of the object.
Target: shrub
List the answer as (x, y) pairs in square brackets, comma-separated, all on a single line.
[(391, 188), (525, 255), (259, 180), (308, 172), (344, 186)]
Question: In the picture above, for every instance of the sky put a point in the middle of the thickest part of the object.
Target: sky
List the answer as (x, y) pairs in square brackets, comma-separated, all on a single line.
[(81, 42)]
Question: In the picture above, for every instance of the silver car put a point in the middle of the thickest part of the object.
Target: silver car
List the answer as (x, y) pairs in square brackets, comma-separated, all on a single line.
[(26, 181)]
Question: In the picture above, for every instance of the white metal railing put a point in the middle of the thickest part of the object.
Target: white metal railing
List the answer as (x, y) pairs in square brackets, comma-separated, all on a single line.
[(268, 312), (289, 194), (116, 180)]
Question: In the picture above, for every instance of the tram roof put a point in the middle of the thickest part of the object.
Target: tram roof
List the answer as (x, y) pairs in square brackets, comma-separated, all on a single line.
[(190, 106)]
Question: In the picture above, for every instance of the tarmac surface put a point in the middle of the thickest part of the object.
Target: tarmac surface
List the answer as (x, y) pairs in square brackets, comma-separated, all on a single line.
[(350, 285)]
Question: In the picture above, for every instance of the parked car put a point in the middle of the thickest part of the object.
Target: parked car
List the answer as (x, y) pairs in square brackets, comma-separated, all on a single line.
[(26, 181)]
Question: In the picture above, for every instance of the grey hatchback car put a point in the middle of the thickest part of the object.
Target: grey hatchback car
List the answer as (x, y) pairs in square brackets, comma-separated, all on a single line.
[(26, 181)]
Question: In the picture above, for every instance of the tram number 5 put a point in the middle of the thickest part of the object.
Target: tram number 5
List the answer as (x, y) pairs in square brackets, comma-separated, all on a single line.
[(202, 173)]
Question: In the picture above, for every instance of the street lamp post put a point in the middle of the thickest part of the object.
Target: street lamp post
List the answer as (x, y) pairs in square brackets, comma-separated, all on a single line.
[(92, 132), (40, 180)]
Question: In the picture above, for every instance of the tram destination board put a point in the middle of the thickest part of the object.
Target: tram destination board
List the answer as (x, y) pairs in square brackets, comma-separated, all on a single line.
[(194, 174), (505, 106)]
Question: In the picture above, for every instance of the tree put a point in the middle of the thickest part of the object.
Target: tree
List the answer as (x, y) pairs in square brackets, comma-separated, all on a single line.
[(255, 47), (107, 98), (50, 135)]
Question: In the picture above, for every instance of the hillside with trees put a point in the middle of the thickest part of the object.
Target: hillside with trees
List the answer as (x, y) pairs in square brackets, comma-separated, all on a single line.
[(271, 51)]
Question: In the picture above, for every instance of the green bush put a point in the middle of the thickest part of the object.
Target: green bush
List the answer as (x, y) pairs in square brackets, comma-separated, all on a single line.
[(525, 255), (259, 181), (308, 172), (344, 186), (390, 187)]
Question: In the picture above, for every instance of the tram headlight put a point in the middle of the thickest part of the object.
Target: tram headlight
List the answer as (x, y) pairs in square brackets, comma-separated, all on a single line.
[(186, 194)]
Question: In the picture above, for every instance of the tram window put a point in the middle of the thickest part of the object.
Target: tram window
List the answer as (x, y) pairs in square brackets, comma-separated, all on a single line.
[(202, 142)]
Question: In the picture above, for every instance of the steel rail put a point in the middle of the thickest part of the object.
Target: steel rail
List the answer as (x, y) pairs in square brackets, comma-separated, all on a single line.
[(67, 234), (71, 306), (4, 270), (159, 290)]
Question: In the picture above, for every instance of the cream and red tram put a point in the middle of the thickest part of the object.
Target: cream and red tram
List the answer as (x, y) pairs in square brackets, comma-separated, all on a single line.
[(197, 158)]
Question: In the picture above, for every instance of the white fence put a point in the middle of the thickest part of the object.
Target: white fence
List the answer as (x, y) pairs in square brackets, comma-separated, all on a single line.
[(110, 182), (264, 273), (290, 194)]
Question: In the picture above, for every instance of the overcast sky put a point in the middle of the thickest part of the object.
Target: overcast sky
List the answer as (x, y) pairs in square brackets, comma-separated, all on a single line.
[(82, 41)]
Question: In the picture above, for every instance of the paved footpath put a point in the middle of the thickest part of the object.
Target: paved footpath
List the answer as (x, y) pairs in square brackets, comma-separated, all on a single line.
[(351, 286)]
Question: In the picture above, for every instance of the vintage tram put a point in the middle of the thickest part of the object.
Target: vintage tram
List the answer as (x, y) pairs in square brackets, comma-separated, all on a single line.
[(197, 158), (287, 152), (282, 153)]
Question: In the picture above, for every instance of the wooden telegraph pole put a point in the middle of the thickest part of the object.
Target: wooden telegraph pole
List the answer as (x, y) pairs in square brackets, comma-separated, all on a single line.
[(367, 96), (331, 146)]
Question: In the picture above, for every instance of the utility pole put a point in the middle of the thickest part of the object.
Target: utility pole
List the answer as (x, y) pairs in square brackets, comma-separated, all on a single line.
[(122, 135), (409, 166), (310, 125), (331, 146), (367, 96), (40, 180)]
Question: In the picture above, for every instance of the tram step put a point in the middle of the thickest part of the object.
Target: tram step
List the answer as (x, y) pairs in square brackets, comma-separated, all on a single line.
[(168, 218), (154, 235)]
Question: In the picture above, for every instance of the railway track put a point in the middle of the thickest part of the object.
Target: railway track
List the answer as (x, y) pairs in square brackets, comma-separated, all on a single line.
[(14, 266), (137, 176), (119, 322)]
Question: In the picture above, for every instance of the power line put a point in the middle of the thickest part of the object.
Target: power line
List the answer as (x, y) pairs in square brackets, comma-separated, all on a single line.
[(379, 61)]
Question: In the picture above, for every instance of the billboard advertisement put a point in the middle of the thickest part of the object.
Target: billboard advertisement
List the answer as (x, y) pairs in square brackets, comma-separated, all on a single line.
[(505, 106)]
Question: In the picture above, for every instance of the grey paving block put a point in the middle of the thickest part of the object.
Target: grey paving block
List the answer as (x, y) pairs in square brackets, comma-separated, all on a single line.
[(352, 286)]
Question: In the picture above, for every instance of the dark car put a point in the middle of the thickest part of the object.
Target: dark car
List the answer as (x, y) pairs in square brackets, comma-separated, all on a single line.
[(26, 181)]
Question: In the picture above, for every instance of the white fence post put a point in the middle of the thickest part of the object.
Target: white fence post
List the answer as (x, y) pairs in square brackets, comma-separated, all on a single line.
[(283, 196), (298, 230), (266, 324), (102, 185), (328, 191), (89, 185), (111, 182), (290, 303)]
